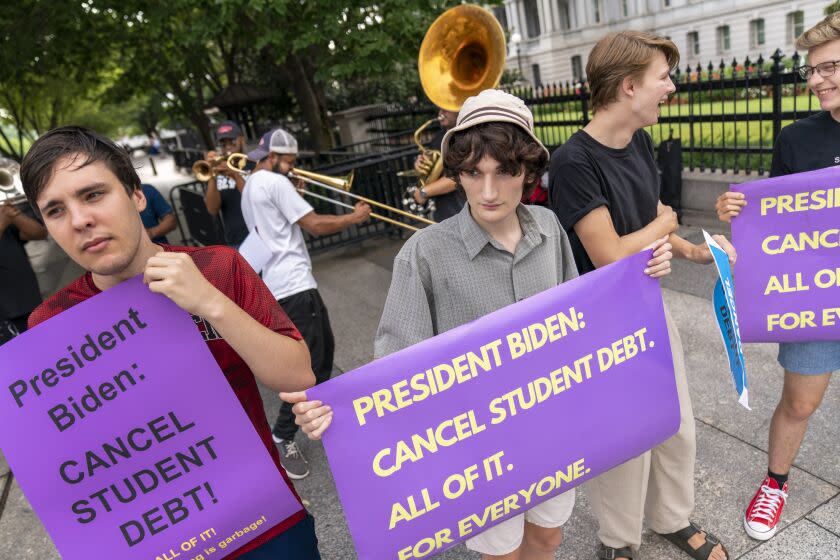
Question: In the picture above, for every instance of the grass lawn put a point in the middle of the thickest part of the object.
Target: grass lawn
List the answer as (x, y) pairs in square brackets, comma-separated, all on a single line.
[(719, 128)]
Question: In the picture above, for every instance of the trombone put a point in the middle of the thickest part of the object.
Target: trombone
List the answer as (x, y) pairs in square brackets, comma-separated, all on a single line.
[(340, 185)]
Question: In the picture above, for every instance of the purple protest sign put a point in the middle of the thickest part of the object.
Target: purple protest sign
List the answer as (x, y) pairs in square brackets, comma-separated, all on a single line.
[(787, 282), (128, 440), (436, 443)]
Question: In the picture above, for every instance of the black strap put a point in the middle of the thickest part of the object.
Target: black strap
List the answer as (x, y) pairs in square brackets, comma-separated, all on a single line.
[(610, 553), (704, 551)]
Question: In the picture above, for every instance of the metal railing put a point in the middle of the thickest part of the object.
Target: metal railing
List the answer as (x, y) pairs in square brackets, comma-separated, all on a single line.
[(726, 115)]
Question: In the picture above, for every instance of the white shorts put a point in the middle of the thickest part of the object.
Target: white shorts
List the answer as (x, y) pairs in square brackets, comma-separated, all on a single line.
[(506, 537)]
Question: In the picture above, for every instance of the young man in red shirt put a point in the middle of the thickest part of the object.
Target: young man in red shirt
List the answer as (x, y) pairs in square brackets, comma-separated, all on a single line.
[(85, 188)]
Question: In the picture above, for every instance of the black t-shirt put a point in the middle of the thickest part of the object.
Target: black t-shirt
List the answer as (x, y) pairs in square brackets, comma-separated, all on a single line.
[(585, 175), (449, 204), (235, 229), (19, 293), (808, 144)]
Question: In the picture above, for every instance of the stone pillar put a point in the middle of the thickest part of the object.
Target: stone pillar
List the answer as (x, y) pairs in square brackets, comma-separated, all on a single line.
[(581, 17), (514, 17), (550, 10), (352, 126)]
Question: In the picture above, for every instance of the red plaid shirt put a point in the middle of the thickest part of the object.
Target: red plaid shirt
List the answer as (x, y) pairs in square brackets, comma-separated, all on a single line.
[(232, 275)]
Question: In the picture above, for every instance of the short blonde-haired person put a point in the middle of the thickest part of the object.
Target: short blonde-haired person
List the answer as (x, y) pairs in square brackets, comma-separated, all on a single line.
[(808, 144), (604, 188), (495, 252)]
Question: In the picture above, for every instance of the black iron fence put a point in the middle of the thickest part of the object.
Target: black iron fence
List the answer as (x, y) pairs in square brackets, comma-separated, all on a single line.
[(726, 115), (375, 177)]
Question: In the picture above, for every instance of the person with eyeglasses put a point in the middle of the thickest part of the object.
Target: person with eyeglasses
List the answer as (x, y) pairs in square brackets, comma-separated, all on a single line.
[(808, 144)]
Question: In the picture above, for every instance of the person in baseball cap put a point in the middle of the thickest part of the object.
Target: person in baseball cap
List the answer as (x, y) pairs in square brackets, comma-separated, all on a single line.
[(276, 141), (228, 130), (462, 268), (225, 186)]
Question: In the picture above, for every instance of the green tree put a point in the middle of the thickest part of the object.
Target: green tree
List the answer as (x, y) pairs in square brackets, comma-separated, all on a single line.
[(322, 51), (831, 8), (91, 59), (51, 66)]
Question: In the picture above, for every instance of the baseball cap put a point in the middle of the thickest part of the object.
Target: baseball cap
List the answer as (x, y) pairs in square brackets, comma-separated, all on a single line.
[(278, 141), (228, 130), (493, 105)]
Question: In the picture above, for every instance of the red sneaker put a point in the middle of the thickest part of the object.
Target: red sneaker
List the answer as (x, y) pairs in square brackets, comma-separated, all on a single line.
[(765, 509)]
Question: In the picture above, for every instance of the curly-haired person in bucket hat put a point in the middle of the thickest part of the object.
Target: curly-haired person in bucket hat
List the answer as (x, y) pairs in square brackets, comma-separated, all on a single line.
[(479, 255)]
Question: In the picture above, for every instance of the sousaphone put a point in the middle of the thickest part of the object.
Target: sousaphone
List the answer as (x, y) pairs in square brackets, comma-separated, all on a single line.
[(462, 54)]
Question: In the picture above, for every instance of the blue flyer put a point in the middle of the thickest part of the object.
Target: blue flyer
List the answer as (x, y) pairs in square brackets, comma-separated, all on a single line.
[(727, 319)]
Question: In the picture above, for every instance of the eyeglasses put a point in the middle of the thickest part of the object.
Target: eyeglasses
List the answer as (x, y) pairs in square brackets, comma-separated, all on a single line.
[(824, 69)]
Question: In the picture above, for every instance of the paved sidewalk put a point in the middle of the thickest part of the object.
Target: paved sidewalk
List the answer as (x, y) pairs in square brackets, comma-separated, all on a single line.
[(732, 442)]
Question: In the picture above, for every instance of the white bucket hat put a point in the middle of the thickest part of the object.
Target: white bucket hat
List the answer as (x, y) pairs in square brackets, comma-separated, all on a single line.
[(493, 105)]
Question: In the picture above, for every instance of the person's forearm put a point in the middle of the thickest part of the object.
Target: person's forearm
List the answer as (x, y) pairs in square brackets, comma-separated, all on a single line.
[(279, 362), (29, 229), (441, 186), (166, 224), (212, 198), (239, 180), (328, 224), (632, 243), (681, 248)]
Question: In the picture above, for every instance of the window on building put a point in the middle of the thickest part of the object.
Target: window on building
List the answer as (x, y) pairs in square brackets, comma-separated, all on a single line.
[(565, 14), (501, 15), (723, 39), (577, 68), (666, 3), (532, 18), (756, 33), (625, 8), (692, 39), (535, 71), (795, 25), (596, 11)]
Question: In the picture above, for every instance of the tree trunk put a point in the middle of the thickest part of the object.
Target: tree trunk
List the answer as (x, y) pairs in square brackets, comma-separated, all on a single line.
[(313, 111), (199, 117)]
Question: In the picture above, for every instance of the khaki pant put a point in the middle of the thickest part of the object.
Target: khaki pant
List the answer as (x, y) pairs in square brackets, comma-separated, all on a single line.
[(658, 485)]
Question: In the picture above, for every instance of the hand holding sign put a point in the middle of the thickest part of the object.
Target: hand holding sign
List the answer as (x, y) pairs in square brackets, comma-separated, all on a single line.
[(176, 276), (729, 205), (705, 255), (660, 264), (313, 417)]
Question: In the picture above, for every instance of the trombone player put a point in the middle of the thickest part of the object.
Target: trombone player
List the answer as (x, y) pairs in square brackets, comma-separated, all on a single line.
[(448, 200), (272, 206)]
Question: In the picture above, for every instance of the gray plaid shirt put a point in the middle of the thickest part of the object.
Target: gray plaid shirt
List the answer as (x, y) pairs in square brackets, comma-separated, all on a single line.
[(453, 272)]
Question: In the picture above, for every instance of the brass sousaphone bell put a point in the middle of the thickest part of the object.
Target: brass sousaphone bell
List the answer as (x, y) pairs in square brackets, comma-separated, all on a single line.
[(462, 54)]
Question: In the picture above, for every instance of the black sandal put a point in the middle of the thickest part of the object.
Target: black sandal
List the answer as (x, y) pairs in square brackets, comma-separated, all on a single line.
[(609, 553), (704, 552)]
